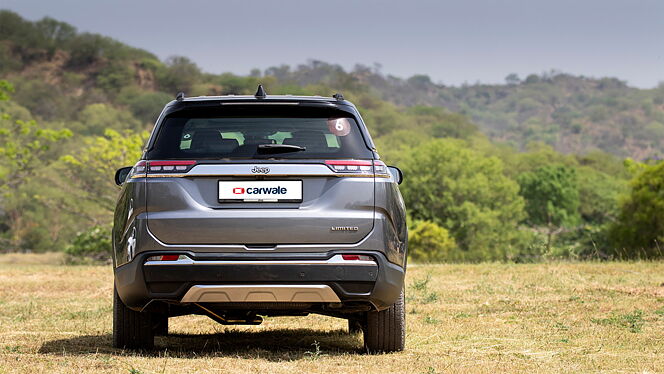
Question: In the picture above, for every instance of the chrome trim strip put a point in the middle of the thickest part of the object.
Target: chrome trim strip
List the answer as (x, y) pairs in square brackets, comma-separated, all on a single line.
[(334, 260), (314, 293), (276, 170), (253, 175)]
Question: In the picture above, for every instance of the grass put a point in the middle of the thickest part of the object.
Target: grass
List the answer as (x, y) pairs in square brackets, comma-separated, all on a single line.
[(486, 318)]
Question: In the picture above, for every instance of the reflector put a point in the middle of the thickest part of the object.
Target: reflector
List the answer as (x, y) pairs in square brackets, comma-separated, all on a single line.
[(357, 258)]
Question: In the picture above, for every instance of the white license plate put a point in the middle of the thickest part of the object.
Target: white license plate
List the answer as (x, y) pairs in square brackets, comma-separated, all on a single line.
[(260, 191)]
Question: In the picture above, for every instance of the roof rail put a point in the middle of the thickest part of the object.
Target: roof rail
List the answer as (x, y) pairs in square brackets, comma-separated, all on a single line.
[(338, 96), (260, 92), (179, 96)]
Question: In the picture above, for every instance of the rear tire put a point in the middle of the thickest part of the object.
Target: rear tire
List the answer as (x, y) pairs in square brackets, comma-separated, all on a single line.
[(386, 330), (131, 329), (160, 324), (354, 326)]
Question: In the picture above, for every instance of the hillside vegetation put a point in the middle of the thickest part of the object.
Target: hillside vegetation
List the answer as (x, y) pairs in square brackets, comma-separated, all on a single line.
[(485, 178), (571, 113)]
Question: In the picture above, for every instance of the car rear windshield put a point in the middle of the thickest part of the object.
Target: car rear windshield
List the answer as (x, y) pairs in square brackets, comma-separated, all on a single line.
[(190, 135)]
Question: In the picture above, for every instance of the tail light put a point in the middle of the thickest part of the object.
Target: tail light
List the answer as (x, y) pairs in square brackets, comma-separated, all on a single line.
[(138, 171), (381, 169), (166, 167), (358, 167)]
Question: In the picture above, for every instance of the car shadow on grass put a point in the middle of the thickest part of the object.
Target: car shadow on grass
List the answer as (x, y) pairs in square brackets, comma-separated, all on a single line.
[(272, 345)]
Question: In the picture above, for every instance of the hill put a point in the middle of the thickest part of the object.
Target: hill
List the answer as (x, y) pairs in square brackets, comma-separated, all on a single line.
[(574, 114), (58, 72)]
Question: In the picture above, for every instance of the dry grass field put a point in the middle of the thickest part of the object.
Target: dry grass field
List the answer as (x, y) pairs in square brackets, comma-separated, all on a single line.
[(487, 318)]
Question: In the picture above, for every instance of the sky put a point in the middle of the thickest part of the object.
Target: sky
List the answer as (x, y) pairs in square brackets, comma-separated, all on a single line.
[(454, 42)]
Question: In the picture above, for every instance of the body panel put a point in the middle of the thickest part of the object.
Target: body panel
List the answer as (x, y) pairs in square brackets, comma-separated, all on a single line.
[(187, 211)]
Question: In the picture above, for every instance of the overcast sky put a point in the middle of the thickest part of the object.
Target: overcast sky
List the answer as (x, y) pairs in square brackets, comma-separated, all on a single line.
[(451, 41)]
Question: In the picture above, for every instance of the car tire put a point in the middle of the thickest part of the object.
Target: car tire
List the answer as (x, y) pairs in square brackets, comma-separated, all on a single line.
[(131, 329), (355, 325), (160, 325), (385, 331)]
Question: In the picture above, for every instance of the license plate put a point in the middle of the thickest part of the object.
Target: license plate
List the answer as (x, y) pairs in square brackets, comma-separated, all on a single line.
[(260, 191)]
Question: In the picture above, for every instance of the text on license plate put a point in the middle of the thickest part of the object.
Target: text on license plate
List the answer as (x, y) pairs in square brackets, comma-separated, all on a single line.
[(260, 191)]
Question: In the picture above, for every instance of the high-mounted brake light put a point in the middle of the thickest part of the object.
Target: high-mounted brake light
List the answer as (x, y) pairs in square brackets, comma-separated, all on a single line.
[(179, 166)]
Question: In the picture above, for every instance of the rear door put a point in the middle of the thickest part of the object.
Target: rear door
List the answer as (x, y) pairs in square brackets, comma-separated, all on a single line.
[(260, 176)]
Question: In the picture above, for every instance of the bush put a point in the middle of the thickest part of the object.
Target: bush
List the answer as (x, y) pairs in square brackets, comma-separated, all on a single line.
[(428, 242), (639, 230), (92, 245), (115, 76)]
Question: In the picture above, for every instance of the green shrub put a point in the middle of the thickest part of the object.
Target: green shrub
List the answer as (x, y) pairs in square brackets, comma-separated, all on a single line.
[(93, 245), (639, 230), (429, 242), (115, 76)]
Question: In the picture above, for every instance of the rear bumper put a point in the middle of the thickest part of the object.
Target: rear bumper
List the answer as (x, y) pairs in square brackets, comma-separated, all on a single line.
[(246, 275)]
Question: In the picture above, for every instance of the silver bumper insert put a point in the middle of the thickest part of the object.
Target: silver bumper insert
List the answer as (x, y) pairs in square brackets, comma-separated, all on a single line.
[(261, 293)]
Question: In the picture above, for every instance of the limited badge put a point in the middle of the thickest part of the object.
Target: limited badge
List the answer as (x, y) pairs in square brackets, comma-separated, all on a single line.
[(339, 126)]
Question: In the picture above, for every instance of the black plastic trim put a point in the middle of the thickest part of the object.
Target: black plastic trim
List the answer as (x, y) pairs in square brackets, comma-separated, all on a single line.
[(132, 279)]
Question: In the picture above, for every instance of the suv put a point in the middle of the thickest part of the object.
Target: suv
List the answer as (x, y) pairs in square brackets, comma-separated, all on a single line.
[(250, 206)]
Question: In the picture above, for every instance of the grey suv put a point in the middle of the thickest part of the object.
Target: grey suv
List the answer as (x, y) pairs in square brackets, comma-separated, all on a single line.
[(251, 206)]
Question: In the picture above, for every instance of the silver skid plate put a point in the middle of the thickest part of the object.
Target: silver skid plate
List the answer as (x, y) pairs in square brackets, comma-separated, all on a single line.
[(261, 293)]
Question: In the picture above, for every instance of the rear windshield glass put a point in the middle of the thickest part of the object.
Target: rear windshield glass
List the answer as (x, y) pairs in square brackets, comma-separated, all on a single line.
[(194, 137)]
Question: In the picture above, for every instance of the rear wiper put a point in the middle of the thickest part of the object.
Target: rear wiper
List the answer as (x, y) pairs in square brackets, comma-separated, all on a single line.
[(279, 148)]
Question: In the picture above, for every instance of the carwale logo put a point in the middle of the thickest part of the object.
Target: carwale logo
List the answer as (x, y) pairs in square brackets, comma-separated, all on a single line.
[(276, 190), (260, 170)]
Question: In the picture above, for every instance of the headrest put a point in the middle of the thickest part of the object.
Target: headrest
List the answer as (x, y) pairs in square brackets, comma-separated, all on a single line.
[(210, 141), (311, 139)]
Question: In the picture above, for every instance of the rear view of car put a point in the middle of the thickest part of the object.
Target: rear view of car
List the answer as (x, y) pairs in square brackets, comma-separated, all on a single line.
[(250, 206)]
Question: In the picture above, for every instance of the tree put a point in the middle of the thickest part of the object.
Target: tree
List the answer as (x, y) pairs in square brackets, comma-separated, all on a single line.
[(552, 198), (466, 193), (179, 75), (639, 230), (598, 195), (23, 145), (512, 79), (93, 168)]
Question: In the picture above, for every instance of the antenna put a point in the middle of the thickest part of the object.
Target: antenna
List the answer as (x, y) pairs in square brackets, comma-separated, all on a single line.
[(338, 96), (179, 96), (260, 92)]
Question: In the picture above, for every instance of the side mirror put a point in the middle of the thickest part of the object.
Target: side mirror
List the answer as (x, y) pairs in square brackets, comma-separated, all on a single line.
[(121, 175), (397, 174)]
